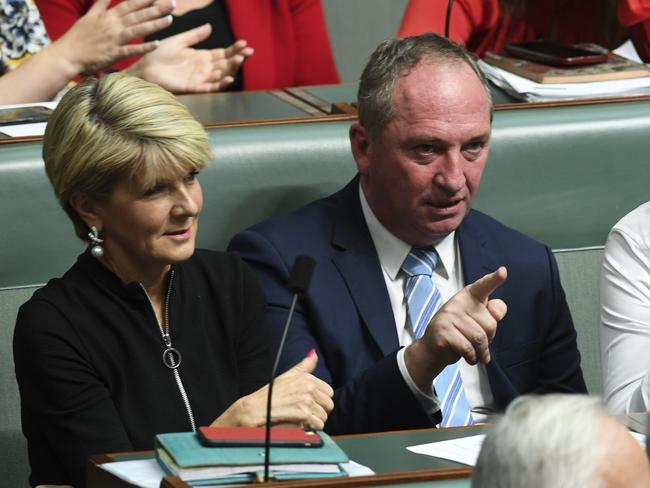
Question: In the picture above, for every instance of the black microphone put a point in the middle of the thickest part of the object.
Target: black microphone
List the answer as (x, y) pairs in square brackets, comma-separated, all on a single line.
[(448, 18), (299, 278)]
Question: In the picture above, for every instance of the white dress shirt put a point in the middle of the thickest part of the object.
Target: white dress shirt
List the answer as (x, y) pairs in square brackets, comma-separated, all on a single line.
[(625, 313), (448, 277)]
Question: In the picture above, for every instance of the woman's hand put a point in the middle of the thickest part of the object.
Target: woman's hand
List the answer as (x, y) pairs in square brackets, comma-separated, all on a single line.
[(177, 67), (95, 41), (298, 398), (101, 37)]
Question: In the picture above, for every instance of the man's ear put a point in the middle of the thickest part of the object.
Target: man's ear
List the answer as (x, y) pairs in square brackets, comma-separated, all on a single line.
[(87, 208), (360, 145)]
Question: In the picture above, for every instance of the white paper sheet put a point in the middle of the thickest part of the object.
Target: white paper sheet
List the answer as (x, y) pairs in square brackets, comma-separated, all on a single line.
[(521, 87), (464, 450), (22, 130), (640, 438), (147, 473), (516, 84), (355, 469)]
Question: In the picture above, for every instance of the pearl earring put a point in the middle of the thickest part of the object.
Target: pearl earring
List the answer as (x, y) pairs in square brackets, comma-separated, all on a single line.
[(96, 250)]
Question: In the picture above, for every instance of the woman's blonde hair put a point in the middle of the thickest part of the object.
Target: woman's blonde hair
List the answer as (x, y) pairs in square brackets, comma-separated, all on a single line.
[(118, 127)]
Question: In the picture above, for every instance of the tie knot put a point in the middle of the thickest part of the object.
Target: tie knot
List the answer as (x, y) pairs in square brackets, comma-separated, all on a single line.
[(420, 262)]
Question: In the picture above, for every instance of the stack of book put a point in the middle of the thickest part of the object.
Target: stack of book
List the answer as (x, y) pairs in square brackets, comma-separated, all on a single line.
[(181, 454), (532, 81)]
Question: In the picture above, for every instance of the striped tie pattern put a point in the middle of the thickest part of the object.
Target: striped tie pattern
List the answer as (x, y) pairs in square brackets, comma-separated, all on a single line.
[(423, 299)]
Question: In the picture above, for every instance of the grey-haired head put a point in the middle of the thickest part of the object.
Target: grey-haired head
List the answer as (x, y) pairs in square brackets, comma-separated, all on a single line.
[(394, 58)]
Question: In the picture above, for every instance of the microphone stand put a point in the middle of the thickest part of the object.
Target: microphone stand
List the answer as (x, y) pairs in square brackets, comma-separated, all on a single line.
[(267, 432), (299, 279)]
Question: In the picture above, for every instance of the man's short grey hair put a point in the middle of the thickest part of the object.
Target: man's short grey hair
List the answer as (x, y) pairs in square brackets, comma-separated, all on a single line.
[(394, 57), (542, 442)]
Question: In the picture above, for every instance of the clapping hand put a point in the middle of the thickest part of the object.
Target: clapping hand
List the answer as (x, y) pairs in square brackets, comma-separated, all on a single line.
[(101, 37), (179, 68)]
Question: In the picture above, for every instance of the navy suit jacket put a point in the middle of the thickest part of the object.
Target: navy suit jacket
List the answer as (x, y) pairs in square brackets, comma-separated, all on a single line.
[(346, 314)]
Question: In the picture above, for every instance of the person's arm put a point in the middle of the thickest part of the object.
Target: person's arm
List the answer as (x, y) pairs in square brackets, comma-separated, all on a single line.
[(635, 14), (97, 40), (179, 68), (67, 411), (625, 323), (298, 397), (463, 327), (314, 61), (377, 398), (422, 16)]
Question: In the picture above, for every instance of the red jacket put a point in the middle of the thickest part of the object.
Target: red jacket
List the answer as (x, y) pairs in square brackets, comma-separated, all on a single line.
[(289, 37), (480, 25)]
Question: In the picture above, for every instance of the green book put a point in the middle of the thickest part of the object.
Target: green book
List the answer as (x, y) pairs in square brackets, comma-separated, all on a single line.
[(181, 454)]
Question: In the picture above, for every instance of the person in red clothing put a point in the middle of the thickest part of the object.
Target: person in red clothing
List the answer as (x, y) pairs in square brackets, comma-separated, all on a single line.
[(485, 25), (289, 38)]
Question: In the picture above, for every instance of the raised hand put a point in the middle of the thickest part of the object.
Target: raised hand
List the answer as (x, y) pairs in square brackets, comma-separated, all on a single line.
[(463, 327), (101, 37), (299, 398), (177, 67)]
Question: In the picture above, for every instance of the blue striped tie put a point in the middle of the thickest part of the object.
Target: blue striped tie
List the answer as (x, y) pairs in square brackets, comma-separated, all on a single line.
[(422, 301)]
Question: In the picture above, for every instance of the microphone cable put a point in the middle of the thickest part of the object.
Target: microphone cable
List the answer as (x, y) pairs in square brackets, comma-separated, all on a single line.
[(448, 18)]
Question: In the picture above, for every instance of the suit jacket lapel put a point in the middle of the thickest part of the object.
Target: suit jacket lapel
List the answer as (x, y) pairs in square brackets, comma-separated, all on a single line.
[(478, 259), (359, 266)]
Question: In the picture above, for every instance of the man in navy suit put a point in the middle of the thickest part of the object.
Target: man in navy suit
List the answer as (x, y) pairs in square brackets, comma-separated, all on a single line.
[(420, 147)]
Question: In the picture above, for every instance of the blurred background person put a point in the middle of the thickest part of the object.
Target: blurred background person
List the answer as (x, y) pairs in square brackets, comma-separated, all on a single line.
[(143, 334), (98, 39), (625, 313), (486, 25), (32, 69), (559, 440), (288, 37)]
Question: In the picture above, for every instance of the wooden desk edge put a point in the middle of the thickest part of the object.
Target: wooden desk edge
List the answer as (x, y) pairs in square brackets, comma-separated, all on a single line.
[(99, 478), (350, 116), (398, 477)]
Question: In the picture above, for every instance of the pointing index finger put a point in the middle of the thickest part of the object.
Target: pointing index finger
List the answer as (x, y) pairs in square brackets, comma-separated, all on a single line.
[(482, 288)]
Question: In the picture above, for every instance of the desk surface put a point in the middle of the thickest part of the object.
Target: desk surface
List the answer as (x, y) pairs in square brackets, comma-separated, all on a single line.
[(312, 103), (384, 453)]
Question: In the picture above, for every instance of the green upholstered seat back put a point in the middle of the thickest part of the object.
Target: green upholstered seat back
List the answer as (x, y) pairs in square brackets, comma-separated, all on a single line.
[(561, 175), (580, 274), (14, 467), (256, 172)]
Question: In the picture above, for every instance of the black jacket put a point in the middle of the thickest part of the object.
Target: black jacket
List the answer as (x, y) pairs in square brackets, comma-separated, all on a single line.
[(88, 356)]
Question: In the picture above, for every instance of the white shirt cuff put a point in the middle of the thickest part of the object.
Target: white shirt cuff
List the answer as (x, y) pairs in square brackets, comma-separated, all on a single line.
[(428, 400)]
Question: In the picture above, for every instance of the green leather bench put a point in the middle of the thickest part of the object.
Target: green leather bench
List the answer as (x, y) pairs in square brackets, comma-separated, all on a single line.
[(561, 175)]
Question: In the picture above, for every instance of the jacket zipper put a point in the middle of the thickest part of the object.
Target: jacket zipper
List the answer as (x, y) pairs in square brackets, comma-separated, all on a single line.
[(171, 357)]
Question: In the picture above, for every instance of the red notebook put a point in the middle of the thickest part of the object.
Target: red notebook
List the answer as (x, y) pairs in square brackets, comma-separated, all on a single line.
[(254, 437)]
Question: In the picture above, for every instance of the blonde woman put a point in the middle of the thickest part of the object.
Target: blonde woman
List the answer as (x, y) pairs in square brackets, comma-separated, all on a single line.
[(144, 334)]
